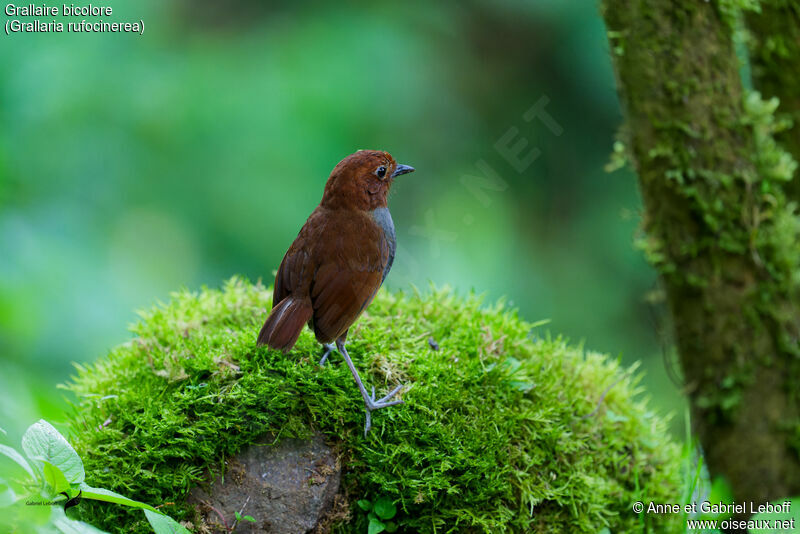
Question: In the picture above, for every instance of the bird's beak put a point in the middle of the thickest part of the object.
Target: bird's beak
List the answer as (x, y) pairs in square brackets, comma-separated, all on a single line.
[(402, 169)]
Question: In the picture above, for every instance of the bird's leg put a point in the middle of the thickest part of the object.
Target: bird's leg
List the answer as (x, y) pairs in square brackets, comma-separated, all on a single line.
[(369, 400), (328, 349)]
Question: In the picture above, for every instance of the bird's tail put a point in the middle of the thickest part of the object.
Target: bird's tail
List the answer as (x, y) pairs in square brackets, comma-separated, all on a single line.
[(285, 322)]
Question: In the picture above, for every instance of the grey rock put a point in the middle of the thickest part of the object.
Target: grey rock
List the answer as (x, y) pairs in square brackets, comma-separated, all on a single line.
[(289, 487)]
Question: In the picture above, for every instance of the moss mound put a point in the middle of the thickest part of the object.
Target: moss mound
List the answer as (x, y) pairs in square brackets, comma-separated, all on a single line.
[(500, 431)]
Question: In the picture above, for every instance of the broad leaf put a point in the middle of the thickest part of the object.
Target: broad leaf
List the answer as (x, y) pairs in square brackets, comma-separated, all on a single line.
[(55, 479), (164, 524), (375, 527), (7, 496), (17, 458), (65, 525), (102, 494), (385, 508), (786, 512), (42, 440)]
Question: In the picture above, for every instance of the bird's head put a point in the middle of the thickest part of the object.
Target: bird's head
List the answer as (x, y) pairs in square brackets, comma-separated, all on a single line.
[(362, 181)]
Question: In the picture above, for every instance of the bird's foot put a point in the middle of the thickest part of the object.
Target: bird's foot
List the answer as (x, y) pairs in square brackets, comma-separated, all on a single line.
[(370, 402), (328, 349), (376, 404), (382, 402)]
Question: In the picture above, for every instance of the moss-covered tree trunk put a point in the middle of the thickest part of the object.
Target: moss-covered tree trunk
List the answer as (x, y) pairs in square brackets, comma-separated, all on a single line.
[(720, 232), (775, 61)]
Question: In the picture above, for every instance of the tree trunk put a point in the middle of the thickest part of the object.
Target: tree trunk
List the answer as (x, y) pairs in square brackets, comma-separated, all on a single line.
[(719, 231), (775, 62)]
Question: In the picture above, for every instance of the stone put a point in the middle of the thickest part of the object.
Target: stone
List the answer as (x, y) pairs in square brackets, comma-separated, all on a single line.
[(291, 487)]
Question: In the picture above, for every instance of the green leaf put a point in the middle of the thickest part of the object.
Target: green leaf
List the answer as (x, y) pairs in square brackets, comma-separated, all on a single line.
[(55, 479), (385, 508), (249, 518), (614, 417), (720, 491), (164, 524), (17, 458), (42, 440), (365, 505), (375, 527), (7, 496), (237, 515), (65, 525), (102, 494), (512, 365), (521, 386), (391, 526), (786, 511)]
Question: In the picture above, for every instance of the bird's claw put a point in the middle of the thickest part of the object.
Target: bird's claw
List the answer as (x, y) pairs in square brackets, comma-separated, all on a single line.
[(372, 404), (383, 402), (391, 394)]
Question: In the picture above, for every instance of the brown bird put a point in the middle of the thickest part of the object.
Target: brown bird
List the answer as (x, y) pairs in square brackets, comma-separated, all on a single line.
[(338, 262)]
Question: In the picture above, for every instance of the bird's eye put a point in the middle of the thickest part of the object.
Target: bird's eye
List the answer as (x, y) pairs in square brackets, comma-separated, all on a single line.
[(380, 171)]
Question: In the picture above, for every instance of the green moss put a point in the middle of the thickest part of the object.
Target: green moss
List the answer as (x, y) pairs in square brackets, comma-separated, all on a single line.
[(501, 431), (774, 46)]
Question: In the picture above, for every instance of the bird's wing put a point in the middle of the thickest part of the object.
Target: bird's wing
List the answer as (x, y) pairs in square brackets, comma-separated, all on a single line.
[(352, 256), (291, 305), (296, 269), (295, 261)]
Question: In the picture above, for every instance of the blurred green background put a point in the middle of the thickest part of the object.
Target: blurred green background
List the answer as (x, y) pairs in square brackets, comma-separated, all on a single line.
[(133, 165)]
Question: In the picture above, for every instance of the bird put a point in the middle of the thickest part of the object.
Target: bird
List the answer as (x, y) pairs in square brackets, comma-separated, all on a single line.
[(337, 263)]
